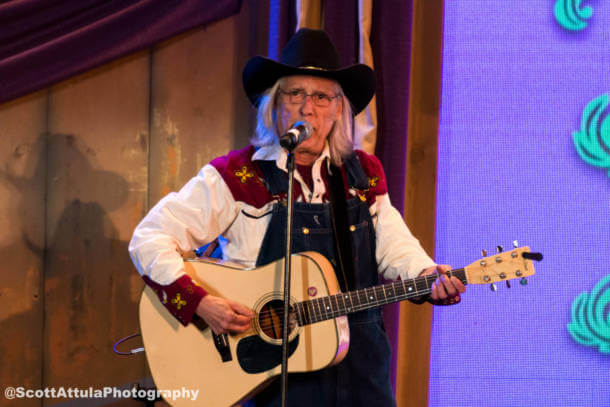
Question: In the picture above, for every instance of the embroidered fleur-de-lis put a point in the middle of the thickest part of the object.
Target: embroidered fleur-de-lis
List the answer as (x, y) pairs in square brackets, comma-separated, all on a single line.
[(179, 302), (244, 174), (373, 181), (362, 194)]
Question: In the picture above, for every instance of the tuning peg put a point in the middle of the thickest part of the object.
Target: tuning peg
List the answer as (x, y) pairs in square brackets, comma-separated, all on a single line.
[(499, 248), (507, 284), (484, 252), (493, 287), (523, 281), (515, 244)]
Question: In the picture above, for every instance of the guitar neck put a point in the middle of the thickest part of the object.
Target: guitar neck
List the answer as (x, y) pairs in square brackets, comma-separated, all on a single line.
[(321, 309)]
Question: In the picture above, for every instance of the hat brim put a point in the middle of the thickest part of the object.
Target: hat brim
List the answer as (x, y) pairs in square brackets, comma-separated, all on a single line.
[(357, 81)]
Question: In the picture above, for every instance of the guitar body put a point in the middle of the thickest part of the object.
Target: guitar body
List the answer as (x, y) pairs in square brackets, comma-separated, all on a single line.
[(187, 357), (228, 369)]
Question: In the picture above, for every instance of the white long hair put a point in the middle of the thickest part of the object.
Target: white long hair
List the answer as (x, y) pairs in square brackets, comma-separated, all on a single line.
[(340, 139)]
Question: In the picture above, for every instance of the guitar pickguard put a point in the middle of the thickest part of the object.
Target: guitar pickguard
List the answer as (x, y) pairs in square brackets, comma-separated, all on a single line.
[(256, 356)]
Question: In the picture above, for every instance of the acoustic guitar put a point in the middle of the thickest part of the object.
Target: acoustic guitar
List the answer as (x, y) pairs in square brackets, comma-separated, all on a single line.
[(228, 369)]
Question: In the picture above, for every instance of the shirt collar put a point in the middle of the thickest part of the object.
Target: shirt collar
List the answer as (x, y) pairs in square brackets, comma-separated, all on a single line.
[(275, 152)]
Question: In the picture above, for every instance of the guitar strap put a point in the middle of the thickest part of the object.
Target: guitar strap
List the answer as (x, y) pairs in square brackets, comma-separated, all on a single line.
[(340, 222)]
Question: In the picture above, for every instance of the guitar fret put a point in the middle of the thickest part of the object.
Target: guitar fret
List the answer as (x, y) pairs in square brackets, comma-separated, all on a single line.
[(367, 298), (361, 298), (315, 309), (320, 309), (410, 287), (327, 308), (307, 306), (299, 314), (385, 295), (387, 290), (403, 288), (399, 286), (351, 302), (394, 293), (379, 295), (343, 298), (331, 310), (336, 309), (308, 312)]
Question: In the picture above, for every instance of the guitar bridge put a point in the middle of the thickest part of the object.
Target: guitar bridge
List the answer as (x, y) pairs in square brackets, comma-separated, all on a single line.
[(221, 342)]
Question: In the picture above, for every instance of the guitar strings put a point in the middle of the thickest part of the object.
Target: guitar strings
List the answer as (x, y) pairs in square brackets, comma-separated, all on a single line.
[(318, 311)]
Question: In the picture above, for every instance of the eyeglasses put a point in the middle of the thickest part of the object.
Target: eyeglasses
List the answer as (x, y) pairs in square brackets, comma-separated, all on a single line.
[(298, 96)]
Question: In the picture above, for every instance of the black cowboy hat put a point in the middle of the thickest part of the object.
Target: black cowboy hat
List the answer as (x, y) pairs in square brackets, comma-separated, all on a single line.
[(310, 52)]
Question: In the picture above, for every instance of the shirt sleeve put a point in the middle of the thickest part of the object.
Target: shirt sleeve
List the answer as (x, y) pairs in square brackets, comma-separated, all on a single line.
[(182, 221), (399, 254)]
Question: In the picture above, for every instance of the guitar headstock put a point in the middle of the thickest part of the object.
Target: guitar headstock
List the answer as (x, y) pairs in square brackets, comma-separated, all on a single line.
[(505, 266)]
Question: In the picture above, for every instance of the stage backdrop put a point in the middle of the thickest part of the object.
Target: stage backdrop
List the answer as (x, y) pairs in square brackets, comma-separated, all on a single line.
[(524, 153)]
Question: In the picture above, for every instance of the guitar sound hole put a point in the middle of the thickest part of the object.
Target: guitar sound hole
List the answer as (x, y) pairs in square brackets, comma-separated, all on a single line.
[(271, 317)]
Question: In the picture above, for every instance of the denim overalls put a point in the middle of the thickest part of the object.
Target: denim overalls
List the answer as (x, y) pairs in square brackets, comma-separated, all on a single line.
[(363, 377)]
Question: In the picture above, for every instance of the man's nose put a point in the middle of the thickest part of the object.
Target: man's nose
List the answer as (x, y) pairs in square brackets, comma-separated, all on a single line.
[(307, 105)]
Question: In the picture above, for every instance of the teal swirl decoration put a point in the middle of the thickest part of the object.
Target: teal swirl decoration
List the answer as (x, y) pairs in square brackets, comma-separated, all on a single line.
[(570, 16), (590, 324), (593, 140)]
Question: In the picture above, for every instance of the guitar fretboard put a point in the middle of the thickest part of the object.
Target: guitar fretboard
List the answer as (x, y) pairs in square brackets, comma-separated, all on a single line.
[(321, 309)]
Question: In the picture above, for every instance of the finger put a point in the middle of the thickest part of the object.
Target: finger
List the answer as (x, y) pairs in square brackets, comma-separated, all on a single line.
[(241, 320), (237, 327), (241, 309), (239, 323), (434, 291), (428, 271), (448, 285), (443, 268), (458, 284), (438, 290)]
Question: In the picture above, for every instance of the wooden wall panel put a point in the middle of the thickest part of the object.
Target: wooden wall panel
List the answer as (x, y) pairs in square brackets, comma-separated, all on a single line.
[(82, 163), (22, 190), (96, 182), (199, 110)]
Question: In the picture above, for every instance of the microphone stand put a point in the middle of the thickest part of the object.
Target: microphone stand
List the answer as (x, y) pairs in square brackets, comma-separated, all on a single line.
[(287, 262)]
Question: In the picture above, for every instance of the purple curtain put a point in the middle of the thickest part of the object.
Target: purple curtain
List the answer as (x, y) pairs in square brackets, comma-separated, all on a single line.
[(391, 46), (46, 41), (341, 24), (282, 25)]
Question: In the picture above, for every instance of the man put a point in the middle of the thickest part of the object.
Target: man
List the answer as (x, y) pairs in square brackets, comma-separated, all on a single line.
[(342, 210)]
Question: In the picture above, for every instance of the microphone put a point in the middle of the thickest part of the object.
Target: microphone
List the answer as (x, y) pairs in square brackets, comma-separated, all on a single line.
[(298, 133)]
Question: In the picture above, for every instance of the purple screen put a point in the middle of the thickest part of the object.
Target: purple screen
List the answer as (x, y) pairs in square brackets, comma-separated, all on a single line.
[(524, 153)]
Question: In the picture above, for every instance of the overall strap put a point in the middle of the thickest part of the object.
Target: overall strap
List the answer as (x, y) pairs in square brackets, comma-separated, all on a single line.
[(275, 180), (356, 178), (343, 240)]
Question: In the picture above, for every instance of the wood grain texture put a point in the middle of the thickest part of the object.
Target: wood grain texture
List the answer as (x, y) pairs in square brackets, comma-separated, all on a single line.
[(22, 190), (198, 108), (420, 191), (96, 183), (75, 182)]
